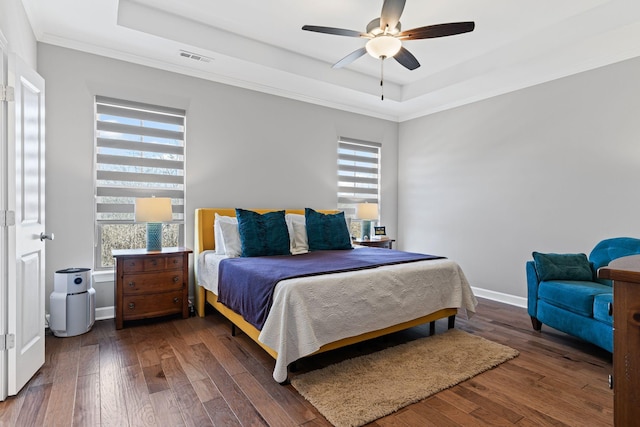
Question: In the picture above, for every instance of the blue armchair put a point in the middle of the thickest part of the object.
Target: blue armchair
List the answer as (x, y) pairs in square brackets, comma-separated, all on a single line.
[(564, 292)]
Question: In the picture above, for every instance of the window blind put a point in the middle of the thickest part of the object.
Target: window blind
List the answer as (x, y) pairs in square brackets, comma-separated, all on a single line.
[(358, 173), (139, 153)]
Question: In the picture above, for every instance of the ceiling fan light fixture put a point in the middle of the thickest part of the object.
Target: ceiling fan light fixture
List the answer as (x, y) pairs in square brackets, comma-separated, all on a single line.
[(383, 46)]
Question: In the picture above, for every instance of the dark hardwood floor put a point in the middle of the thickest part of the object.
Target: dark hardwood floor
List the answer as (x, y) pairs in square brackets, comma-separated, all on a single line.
[(192, 372)]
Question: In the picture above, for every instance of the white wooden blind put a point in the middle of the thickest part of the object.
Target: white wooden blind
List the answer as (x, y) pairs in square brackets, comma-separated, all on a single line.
[(358, 173)]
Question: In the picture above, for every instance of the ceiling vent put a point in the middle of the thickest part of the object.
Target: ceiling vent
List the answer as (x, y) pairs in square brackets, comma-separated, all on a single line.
[(195, 56)]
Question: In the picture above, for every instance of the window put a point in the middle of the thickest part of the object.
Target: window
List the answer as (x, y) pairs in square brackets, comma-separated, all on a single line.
[(139, 153), (358, 176)]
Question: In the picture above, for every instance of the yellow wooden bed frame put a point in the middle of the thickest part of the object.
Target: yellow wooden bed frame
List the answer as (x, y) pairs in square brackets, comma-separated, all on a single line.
[(204, 240)]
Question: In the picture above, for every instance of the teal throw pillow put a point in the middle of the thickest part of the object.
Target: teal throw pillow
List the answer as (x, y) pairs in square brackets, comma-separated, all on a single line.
[(263, 234), (326, 231), (562, 266)]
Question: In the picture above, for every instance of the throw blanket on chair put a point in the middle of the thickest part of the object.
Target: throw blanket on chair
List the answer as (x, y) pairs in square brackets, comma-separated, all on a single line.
[(246, 285)]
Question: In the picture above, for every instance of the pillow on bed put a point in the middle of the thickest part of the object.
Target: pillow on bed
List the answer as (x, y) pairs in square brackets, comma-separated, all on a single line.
[(234, 238), (327, 231), (263, 234), (297, 228), (231, 239)]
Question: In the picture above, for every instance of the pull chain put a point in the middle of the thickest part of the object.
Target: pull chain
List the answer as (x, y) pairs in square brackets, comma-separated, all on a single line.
[(382, 58)]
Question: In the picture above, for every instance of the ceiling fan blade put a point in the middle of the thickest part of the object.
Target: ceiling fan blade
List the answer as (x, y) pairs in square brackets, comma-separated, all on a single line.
[(390, 15), (406, 59), (350, 58), (440, 30), (335, 31)]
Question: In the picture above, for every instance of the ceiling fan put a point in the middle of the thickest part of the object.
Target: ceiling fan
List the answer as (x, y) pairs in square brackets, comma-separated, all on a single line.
[(385, 36)]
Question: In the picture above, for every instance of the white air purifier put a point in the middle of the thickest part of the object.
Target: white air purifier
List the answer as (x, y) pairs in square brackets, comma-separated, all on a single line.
[(72, 304)]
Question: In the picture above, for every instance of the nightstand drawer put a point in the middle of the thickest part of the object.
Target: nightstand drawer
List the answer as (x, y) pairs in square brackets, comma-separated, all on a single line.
[(143, 306), (385, 243), (158, 282), (163, 263), (152, 263), (133, 265)]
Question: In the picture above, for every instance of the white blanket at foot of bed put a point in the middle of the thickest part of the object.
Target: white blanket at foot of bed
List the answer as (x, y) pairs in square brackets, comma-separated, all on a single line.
[(303, 318)]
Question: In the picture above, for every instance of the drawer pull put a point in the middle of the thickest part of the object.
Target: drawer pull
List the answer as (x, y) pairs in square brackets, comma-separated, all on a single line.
[(635, 319), (132, 305), (175, 279), (176, 300), (132, 284), (175, 260)]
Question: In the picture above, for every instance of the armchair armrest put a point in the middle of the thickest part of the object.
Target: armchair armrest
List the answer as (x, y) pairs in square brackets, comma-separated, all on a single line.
[(532, 288)]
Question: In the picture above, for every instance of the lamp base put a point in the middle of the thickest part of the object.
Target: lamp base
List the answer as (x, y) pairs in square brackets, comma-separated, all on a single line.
[(154, 236), (366, 229)]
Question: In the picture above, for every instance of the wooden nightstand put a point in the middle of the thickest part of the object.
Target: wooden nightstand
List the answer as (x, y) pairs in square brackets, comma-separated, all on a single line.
[(377, 243), (151, 283)]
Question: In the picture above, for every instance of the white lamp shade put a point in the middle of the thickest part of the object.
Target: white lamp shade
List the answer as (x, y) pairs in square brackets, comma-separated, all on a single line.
[(153, 209), (386, 46), (367, 211)]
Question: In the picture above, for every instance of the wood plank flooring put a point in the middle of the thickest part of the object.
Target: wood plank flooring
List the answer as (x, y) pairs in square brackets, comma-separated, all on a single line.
[(192, 372)]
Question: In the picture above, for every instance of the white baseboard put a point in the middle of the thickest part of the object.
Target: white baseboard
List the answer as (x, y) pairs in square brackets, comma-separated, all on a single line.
[(103, 313), (500, 297)]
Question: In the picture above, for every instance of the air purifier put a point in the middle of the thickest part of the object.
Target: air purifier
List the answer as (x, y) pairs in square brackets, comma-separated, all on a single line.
[(72, 304)]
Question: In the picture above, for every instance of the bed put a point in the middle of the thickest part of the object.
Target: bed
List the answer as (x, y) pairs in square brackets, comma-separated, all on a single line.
[(306, 318)]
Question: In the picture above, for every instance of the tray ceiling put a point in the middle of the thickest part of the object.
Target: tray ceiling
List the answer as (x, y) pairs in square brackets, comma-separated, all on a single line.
[(259, 45)]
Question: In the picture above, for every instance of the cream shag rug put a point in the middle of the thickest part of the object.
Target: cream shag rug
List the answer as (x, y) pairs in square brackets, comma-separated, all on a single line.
[(360, 390)]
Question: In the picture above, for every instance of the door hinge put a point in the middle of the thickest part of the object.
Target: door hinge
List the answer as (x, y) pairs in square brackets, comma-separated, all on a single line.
[(7, 342), (7, 218), (7, 93)]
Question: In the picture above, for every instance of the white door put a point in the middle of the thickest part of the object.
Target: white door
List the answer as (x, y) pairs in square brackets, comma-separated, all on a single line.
[(26, 249), (3, 227)]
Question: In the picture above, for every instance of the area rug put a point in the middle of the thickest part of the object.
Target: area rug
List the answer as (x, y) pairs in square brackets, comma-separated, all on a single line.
[(360, 390)]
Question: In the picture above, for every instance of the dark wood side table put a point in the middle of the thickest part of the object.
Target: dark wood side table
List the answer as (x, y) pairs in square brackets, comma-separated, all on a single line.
[(151, 283), (376, 243), (625, 273)]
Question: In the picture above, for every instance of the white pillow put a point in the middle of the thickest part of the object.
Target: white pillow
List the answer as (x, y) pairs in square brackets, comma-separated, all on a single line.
[(217, 231), (297, 228), (300, 243), (231, 239)]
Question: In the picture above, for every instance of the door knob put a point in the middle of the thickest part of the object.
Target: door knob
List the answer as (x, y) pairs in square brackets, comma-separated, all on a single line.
[(44, 237)]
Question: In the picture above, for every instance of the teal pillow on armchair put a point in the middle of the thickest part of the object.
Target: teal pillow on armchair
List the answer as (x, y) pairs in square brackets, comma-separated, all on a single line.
[(562, 266)]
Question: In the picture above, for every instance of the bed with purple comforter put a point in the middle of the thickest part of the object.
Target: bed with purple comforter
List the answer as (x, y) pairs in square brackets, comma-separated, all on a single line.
[(295, 306)]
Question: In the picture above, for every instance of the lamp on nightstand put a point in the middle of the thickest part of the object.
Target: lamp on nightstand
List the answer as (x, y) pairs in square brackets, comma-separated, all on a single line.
[(367, 212), (154, 211)]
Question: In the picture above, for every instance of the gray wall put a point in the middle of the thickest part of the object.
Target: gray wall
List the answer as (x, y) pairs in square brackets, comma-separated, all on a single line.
[(554, 167), (244, 148)]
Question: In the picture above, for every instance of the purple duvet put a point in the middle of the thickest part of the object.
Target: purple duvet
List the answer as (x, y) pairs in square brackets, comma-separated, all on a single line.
[(246, 285)]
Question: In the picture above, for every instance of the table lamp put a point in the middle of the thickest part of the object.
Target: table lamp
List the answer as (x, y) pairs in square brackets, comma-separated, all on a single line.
[(366, 212), (154, 211)]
